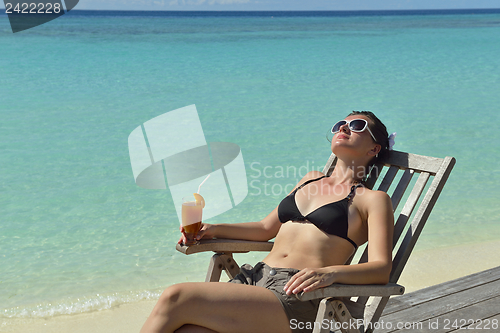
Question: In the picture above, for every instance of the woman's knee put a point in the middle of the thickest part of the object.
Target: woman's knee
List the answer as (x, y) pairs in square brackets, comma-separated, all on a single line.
[(172, 298)]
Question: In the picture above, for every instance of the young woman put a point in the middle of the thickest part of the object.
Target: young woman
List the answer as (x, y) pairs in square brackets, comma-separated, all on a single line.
[(318, 226)]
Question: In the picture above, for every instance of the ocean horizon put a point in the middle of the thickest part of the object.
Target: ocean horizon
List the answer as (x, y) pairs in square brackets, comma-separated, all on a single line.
[(278, 13), (78, 235)]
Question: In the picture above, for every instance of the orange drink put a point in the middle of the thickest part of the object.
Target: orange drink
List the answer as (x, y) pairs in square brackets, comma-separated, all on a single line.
[(191, 217)]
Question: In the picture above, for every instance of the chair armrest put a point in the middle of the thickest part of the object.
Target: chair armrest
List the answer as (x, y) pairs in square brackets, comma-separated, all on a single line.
[(226, 246), (352, 290)]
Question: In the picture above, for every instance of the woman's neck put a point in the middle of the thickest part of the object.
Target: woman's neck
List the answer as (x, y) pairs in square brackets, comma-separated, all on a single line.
[(349, 173)]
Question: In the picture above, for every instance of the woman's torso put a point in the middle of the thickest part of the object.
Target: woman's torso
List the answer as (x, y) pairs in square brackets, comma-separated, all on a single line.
[(301, 244)]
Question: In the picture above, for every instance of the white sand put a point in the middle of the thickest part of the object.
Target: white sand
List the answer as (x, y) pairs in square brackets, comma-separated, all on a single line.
[(430, 267), (121, 319), (425, 268)]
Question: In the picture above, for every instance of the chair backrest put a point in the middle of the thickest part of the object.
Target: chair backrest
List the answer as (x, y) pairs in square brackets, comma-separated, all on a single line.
[(402, 167)]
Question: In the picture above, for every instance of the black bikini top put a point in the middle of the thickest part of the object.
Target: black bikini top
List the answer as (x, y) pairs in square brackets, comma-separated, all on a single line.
[(332, 218)]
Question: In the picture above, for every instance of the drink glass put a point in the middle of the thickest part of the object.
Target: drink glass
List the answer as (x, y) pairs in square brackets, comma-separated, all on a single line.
[(191, 219)]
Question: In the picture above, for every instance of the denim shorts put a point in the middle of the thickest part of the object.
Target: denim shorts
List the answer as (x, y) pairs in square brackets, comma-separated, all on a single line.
[(275, 279)]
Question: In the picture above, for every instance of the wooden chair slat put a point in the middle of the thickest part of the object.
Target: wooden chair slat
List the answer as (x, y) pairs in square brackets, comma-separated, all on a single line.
[(330, 165), (419, 163), (373, 176), (410, 204), (401, 188), (388, 178)]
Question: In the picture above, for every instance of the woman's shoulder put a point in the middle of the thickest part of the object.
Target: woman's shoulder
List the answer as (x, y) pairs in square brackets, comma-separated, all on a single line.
[(373, 198), (373, 194)]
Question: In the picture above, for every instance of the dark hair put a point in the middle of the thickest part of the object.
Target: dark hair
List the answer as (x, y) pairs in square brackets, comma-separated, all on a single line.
[(379, 132)]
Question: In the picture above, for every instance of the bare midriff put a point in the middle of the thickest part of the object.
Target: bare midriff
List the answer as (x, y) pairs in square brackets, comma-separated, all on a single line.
[(301, 244)]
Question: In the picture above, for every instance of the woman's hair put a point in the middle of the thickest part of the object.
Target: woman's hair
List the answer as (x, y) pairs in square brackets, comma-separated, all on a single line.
[(379, 132)]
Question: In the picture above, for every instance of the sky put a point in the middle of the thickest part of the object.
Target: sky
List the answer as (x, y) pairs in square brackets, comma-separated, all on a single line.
[(283, 4)]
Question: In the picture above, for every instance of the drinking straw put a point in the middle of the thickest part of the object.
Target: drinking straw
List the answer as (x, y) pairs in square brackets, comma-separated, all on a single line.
[(202, 183)]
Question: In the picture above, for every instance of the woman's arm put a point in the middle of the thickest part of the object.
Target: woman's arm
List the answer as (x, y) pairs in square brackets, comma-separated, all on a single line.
[(263, 230), (378, 208)]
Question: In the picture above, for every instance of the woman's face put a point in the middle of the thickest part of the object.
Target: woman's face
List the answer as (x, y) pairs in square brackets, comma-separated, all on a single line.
[(348, 141)]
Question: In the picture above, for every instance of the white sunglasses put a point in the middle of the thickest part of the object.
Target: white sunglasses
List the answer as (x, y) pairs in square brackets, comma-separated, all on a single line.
[(355, 125)]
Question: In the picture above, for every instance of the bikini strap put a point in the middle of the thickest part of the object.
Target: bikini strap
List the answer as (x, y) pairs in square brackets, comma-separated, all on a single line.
[(353, 190), (307, 182)]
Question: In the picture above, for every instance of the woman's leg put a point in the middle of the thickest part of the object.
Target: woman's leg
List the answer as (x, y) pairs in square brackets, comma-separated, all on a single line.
[(220, 307), (193, 329)]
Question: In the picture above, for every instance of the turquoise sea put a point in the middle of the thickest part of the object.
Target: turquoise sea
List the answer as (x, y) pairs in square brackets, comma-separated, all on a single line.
[(77, 234)]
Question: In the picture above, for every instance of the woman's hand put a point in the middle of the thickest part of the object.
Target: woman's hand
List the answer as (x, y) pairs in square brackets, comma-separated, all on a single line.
[(206, 232), (309, 279)]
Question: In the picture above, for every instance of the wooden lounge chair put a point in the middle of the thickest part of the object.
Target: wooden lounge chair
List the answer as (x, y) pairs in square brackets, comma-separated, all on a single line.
[(342, 304)]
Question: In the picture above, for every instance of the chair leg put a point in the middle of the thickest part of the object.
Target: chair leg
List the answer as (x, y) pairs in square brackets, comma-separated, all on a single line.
[(325, 314), (348, 324), (219, 262), (374, 312), (333, 315)]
